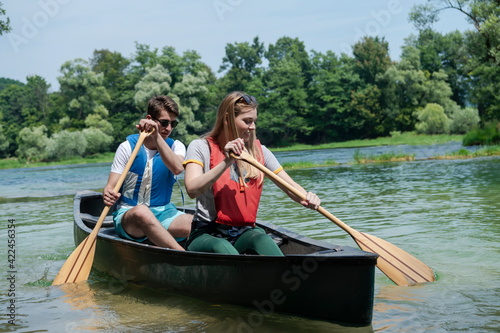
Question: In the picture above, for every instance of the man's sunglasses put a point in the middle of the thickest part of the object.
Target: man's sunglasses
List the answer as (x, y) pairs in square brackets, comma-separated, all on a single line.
[(248, 99), (165, 123)]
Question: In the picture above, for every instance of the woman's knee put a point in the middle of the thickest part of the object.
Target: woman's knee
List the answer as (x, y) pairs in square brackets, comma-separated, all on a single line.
[(208, 243)]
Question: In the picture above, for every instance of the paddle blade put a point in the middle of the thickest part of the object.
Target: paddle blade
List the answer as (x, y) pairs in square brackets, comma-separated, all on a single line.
[(399, 266), (78, 265)]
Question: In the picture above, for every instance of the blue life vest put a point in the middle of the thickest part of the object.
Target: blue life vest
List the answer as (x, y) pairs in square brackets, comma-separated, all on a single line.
[(138, 188)]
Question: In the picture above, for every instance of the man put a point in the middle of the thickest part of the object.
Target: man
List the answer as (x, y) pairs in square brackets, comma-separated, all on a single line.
[(144, 209)]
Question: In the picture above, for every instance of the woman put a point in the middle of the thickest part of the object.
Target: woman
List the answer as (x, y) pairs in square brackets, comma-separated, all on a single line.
[(227, 190)]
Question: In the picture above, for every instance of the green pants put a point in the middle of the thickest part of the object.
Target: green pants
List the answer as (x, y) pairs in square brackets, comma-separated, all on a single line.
[(252, 241)]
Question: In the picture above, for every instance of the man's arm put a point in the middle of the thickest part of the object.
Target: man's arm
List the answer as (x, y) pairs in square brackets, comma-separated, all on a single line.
[(108, 194), (172, 161)]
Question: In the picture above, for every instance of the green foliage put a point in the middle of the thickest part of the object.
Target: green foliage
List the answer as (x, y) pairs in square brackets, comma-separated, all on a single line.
[(98, 120), (284, 108), (156, 82), (97, 141), (242, 63), (66, 144), (32, 143), (432, 120), (489, 134), (464, 120), (5, 82), (304, 97), (188, 94), (4, 24), (4, 142), (371, 58), (82, 89)]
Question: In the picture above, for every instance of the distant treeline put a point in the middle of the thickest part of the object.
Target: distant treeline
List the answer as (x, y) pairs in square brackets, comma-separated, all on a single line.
[(442, 84)]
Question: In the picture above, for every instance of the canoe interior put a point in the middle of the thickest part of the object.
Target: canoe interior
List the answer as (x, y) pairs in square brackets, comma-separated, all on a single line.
[(314, 279)]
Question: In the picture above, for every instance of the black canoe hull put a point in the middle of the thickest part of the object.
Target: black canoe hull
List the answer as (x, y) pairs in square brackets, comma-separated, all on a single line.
[(315, 279)]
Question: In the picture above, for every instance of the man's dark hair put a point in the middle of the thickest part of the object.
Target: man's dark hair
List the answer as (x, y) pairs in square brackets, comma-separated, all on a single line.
[(160, 103)]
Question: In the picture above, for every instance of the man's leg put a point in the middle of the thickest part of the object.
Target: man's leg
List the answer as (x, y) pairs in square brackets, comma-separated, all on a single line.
[(140, 222), (181, 226)]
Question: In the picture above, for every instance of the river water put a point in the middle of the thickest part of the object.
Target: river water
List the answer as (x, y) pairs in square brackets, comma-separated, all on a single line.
[(444, 212)]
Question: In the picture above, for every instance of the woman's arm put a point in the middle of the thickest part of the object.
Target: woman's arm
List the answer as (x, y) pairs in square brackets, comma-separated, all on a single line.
[(197, 182)]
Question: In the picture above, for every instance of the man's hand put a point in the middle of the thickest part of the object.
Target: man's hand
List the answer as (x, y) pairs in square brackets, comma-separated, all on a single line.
[(110, 197)]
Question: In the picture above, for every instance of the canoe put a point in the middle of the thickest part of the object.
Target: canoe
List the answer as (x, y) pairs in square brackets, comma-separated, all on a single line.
[(314, 279)]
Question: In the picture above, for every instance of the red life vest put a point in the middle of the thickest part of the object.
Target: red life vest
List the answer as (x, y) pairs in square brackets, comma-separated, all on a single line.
[(235, 203)]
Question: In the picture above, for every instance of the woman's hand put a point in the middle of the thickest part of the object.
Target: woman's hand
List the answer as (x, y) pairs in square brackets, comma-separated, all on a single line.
[(312, 201), (236, 146)]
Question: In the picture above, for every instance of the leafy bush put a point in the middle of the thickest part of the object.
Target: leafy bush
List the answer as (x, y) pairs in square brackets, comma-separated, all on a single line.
[(66, 144), (488, 135), (97, 141), (31, 143), (4, 143), (432, 120), (463, 120)]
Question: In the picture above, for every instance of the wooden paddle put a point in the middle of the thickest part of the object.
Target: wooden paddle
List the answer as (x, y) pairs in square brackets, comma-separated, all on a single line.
[(78, 265), (399, 266)]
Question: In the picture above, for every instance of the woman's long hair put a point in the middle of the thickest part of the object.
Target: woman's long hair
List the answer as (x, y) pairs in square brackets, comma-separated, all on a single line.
[(231, 106)]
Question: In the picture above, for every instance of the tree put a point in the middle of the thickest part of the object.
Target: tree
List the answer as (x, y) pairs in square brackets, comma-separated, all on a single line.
[(483, 45), (37, 98), (11, 110), (66, 144), (367, 116), (156, 82), (242, 64), (4, 25), (4, 143), (329, 96), (97, 141), (32, 142), (119, 79), (432, 120), (406, 88), (189, 94), (5, 82), (437, 52), (371, 58), (82, 90), (463, 120), (284, 109)]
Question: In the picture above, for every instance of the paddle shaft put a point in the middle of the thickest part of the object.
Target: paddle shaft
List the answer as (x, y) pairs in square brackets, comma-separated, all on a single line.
[(78, 265), (249, 159), (400, 266)]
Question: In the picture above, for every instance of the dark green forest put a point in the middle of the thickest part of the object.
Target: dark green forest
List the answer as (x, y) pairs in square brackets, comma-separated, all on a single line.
[(442, 83)]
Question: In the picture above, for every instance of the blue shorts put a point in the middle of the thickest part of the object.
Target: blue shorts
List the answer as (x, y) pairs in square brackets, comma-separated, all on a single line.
[(165, 214)]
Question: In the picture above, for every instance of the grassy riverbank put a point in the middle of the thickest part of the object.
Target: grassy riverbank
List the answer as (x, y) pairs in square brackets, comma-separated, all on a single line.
[(395, 139), (408, 138), (12, 163)]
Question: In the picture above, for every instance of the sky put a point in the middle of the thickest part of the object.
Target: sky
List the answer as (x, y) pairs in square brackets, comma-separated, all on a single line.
[(47, 33)]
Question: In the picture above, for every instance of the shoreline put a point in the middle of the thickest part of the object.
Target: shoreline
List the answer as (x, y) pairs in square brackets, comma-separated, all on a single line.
[(400, 139)]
